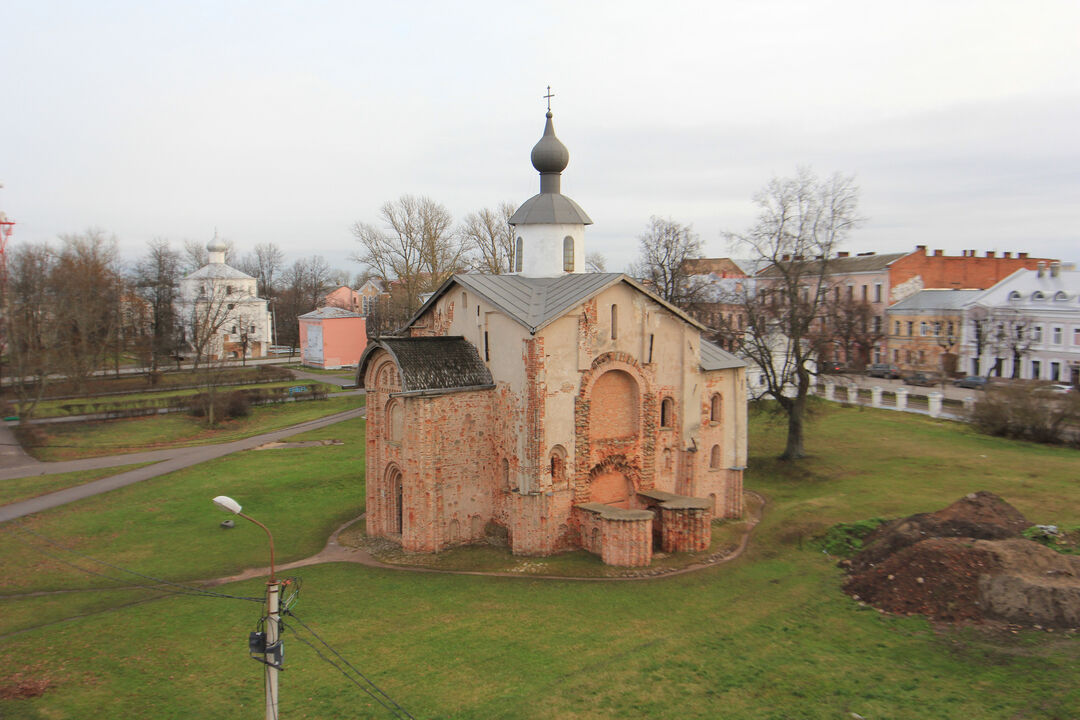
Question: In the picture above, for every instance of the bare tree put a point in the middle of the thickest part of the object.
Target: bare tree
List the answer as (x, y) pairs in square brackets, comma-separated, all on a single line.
[(1014, 335), (665, 247), (418, 253), (849, 326), (264, 264), (32, 348), (488, 232), (304, 285), (87, 290), (802, 220), (196, 255), (157, 277), (595, 262)]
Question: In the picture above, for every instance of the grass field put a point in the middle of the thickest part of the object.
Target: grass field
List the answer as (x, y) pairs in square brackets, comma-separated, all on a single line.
[(24, 488), (767, 636), (69, 441)]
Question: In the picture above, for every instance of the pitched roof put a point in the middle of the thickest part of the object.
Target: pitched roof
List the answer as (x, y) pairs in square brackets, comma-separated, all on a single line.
[(432, 365), (329, 312), (536, 302), (935, 300), (868, 262), (220, 271), (715, 358), (718, 266)]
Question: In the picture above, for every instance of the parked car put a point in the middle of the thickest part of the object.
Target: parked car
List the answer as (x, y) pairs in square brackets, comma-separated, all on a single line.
[(831, 367), (1057, 389), (883, 370), (922, 379), (972, 382)]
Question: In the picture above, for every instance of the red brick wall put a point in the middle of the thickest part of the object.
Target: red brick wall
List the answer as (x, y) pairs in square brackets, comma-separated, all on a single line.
[(626, 543), (944, 271)]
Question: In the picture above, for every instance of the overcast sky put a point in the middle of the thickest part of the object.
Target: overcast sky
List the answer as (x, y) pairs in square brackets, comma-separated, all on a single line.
[(287, 122)]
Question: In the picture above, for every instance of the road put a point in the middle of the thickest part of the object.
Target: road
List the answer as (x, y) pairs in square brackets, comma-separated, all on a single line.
[(18, 464)]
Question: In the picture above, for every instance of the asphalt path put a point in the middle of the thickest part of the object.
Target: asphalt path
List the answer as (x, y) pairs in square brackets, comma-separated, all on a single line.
[(166, 461)]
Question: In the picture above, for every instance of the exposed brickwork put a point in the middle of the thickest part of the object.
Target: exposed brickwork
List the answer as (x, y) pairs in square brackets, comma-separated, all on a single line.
[(626, 543), (964, 271)]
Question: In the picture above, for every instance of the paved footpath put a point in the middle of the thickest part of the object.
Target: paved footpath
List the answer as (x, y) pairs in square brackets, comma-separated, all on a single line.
[(13, 465)]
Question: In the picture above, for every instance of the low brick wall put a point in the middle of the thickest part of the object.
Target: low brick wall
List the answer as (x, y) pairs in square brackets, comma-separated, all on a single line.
[(620, 537)]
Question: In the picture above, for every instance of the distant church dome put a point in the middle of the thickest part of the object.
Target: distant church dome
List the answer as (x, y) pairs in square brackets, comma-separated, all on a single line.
[(550, 155), (216, 245)]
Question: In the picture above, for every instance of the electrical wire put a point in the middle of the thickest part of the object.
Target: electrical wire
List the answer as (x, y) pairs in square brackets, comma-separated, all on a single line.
[(392, 706), (184, 589)]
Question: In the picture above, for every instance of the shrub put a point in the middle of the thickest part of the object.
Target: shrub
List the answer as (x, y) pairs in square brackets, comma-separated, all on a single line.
[(846, 539), (1018, 411)]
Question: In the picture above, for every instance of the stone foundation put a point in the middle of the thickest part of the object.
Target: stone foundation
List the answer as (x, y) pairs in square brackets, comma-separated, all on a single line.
[(620, 537)]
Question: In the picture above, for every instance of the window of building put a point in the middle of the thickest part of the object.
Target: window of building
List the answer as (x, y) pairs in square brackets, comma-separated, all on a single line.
[(228, 289), (667, 413), (850, 292), (230, 306), (487, 352), (519, 249), (865, 293), (877, 292), (251, 329), (1014, 295), (1038, 295), (651, 338), (395, 421), (896, 356), (1036, 370), (1076, 336), (614, 322), (877, 325), (233, 331), (568, 254), (950, 327), (558, 464), (464, 300), (937, 329), (714, 457), (896, 328), (1055, 371), (1058, 335), (923, 329), (1036, 334), (506, 474), (836, 293), (922, 357), (715, 407), (911, 328)]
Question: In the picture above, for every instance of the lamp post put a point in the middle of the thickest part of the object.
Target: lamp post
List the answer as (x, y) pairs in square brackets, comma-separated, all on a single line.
[(272, 650)]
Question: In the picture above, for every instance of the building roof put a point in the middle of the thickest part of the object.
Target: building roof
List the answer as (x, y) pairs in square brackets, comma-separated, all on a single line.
[(725, 267), (219, 271), (550, 209), (536, 302), (325, 313), (715, 358), (935, 300), (867, 262), (432, 365)]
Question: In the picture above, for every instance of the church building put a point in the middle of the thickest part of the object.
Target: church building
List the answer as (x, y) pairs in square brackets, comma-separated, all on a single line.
[(557, 408)]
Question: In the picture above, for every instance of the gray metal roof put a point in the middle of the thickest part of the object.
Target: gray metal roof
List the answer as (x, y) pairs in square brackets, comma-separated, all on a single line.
[(324, 313), (218, 271), (432, 365), (936, 300), (536, 302), (842, 265), (550, 209), (716, 358)]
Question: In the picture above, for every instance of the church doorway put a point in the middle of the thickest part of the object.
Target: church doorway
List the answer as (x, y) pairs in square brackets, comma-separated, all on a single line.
[(611, 487), (393, 484)]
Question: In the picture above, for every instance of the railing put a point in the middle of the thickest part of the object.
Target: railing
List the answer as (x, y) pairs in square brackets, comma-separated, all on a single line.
[(932, 403)]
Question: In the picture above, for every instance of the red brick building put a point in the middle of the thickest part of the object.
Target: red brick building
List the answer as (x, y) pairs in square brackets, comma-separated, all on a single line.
[(556, 408)]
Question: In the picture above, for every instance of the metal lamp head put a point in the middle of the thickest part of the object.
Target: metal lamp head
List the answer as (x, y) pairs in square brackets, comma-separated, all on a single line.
[(227, 504)]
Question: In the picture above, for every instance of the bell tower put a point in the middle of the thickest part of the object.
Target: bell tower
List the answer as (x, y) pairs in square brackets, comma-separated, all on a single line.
[(549, 228)]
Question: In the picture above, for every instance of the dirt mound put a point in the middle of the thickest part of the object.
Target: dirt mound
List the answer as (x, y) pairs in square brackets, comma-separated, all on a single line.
[(906, 569), (981, 515)]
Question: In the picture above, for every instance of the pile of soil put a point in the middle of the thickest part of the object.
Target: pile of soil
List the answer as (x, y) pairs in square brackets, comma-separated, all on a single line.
[(967, 562)]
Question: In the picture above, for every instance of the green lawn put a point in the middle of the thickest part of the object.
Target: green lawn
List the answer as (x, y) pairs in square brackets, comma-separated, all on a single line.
[(105, 403), (769, 635), (24, 488), (69, 441)]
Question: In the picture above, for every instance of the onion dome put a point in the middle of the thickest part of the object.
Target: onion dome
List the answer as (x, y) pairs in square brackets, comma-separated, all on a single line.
[(550, 155), (216, 245)]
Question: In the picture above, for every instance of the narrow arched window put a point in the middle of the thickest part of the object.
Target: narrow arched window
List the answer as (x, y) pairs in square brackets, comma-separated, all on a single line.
[(667, 412), (714, 457), (518, 251), (614, 321), (715, 407), (558, 464), (568, 254), (505, 474)]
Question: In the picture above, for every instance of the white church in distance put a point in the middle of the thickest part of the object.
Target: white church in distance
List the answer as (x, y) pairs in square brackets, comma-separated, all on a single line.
[(220, 312)]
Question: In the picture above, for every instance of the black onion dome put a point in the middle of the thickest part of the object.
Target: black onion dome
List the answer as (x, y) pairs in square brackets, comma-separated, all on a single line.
[(550, 155)]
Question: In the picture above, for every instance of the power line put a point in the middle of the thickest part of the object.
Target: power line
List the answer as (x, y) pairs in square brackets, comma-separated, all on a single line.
[(184, 589), (393, 706)]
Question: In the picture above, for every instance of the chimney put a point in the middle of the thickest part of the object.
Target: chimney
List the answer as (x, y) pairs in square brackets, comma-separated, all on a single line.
[(1042, 268), (842, 254), (971, 253), (1006, 254), (990, 253), (785, 257), (1055, 269), (1022, 256), (939, 253)]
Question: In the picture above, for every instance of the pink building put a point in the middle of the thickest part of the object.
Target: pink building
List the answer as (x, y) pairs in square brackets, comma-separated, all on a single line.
[(332, 337)]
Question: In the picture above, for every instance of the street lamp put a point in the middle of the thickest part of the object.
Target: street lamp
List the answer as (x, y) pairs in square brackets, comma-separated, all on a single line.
[(272, 649)]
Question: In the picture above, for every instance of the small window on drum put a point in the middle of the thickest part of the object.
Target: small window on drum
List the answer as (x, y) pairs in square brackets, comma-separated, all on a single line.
[(714, 457), (667, 413), (519, 249), (568, 254), (715, 408)]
